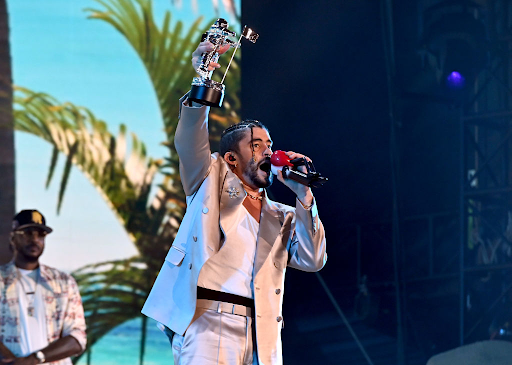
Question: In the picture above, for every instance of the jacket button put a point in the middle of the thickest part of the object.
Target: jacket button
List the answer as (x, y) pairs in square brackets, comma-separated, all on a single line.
[(205, 210), (194, 238), (279, 319), (190, 266), (278, 291)]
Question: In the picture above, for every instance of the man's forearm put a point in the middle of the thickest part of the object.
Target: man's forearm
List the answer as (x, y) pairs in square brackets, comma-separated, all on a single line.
[(193, 146), (64, 347), (306, 198), (5, 353), (307, 249)]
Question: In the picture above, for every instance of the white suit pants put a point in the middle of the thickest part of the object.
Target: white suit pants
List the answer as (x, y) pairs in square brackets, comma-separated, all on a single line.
[(216, 338)]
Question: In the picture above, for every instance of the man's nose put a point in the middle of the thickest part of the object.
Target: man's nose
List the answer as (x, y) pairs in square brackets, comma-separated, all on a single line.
[(37, 240), (36, 237), (268, 151)]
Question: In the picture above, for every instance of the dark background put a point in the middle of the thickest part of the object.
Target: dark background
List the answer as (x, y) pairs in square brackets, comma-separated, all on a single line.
[(317, 78)]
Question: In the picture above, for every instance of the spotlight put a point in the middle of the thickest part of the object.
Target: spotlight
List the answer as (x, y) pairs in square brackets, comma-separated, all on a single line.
[(454, 39), (455, 80)]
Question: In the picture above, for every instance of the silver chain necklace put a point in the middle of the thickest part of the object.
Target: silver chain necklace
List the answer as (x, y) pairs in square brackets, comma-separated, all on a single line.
[(30, 308), (260, 198)]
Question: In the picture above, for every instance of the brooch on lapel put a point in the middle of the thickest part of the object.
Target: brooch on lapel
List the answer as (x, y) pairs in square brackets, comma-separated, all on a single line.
[(233, 192)]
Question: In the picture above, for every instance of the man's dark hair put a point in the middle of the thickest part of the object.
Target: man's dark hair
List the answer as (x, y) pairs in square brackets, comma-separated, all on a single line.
[(231, 137)]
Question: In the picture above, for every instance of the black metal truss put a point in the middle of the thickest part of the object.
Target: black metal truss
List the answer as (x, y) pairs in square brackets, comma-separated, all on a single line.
[(485, 186)]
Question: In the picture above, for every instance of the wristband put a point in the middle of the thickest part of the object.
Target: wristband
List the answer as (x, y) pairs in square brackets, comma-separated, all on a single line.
[(306, 207)]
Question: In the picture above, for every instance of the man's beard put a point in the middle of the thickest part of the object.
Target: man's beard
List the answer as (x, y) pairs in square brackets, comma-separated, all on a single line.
[(29, 256), (252, 173)]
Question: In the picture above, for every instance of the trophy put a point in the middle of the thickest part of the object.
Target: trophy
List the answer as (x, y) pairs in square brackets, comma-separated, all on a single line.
[(204, 90)]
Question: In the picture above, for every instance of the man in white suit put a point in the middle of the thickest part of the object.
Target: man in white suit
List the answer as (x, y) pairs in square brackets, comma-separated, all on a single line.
[(220, 290)]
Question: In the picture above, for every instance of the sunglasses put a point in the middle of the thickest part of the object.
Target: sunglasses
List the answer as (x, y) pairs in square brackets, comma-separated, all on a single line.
[(31, 232)]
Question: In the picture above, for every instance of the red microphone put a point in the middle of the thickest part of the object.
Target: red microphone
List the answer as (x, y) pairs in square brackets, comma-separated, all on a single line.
[(281, 162), (278, 160)]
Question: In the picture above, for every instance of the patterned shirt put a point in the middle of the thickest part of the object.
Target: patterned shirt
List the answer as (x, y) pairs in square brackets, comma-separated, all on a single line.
[(64, 311)]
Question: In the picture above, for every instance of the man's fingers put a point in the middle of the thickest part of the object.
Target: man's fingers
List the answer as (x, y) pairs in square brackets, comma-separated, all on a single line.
[(224, 48), (196, 61), (202, 48), (206, 47), (280, 176), (213, 65), (292, 155)]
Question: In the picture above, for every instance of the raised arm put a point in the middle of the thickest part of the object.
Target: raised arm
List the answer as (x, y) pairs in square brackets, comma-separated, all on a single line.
[(192, 144), (191, 138)]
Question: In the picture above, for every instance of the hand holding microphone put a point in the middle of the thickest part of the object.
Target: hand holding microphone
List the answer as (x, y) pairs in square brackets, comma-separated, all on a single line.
[(289, 168)]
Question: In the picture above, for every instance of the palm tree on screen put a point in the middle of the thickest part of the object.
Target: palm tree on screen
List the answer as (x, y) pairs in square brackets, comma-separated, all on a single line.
[(6, 135), (144, 193), (229, 6)]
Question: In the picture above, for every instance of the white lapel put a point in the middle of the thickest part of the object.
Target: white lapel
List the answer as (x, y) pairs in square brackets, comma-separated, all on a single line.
[(232, 195), (270, 225)]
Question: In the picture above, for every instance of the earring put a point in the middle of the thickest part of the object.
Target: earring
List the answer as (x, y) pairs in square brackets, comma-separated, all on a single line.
[(236, 165)]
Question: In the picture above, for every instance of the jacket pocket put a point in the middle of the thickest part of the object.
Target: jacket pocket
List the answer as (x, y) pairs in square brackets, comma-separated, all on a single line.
[(175, 256)]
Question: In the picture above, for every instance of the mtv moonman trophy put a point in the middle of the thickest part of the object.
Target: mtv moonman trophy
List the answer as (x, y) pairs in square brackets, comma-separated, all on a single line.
[(204, 90)]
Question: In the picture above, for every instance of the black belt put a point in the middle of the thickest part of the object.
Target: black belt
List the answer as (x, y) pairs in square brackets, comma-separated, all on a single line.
[(203, 293)]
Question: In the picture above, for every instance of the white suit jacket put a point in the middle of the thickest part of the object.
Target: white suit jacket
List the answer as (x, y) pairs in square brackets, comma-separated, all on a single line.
[(287, 237)]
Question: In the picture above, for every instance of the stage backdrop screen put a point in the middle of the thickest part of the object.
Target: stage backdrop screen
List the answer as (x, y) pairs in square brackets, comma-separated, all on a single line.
[(96, 86)]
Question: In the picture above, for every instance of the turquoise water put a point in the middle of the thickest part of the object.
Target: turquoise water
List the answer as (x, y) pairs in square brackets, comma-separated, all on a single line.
[(121, 346)]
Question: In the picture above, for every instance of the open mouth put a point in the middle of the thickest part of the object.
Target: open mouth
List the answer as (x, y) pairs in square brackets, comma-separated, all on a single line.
[(265, 166)]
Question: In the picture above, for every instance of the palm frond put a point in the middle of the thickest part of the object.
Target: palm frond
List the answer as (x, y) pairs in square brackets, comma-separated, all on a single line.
[(112, 293), (86, 143), (165, 52), (160, 49)]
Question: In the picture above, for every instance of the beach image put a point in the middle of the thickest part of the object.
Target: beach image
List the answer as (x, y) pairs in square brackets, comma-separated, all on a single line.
[(96, 88)]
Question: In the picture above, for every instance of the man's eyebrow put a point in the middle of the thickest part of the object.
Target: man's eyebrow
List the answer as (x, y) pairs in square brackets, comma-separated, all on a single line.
[(260, 140)]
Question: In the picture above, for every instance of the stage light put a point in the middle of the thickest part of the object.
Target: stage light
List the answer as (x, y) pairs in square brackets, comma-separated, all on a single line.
[(455, 40), (455, 80)]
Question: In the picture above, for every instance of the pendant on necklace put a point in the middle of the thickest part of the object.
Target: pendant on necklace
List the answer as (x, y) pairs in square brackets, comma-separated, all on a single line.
[(30, 311)]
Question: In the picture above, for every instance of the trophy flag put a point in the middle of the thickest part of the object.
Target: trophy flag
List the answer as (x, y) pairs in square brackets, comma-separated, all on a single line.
[(250, 34)]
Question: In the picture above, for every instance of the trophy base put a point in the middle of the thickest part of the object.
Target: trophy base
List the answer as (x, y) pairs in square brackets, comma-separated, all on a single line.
[(206, 95)]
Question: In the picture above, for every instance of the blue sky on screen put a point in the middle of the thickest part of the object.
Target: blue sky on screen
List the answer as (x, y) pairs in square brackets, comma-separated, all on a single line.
[(55, 49)]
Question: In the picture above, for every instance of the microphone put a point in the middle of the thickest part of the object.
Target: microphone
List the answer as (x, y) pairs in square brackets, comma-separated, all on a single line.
[(289, 168)]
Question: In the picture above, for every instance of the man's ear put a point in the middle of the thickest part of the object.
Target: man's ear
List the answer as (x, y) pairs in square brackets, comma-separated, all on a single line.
[(231, 158), (11, 242)]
